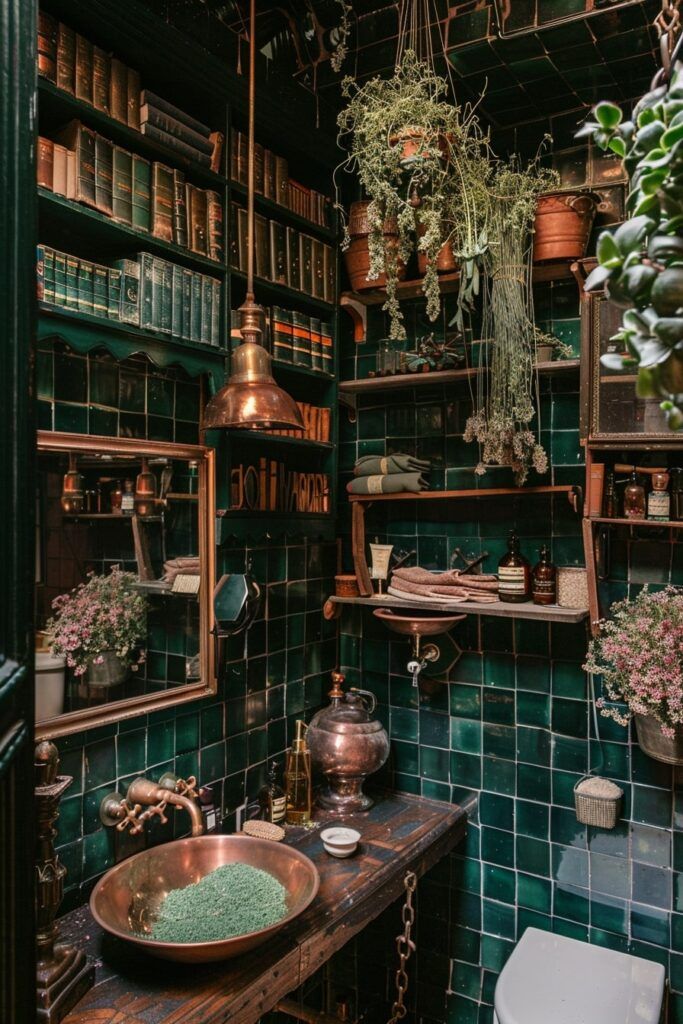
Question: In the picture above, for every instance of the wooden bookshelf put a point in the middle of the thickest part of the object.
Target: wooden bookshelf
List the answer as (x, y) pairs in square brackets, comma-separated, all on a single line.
[(283, 294), (283, 214)]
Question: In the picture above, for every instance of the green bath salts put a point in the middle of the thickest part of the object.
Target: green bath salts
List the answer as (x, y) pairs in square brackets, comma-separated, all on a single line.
[(232, 900)]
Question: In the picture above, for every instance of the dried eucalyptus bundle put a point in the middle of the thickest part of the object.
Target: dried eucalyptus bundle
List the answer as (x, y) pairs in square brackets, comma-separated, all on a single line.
[(502, 423)]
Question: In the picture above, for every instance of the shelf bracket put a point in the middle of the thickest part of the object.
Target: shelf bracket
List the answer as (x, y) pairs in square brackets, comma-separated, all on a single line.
[(576, 499), (359, 315), (350, 403)]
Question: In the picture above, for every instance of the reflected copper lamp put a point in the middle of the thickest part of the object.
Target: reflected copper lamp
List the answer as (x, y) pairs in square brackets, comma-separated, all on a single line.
[(251, 399)]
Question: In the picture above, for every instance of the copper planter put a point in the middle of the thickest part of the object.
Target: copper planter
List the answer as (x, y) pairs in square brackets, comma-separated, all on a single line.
[(562, 226), (357, 256)]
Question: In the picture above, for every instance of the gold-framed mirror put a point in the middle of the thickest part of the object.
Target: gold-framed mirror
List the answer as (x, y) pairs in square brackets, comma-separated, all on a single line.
[(124, 579)]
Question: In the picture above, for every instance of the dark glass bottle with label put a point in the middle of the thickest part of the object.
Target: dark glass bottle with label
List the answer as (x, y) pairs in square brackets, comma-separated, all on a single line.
[(609, 500), (272, 797), (514, 574), (544, 579)]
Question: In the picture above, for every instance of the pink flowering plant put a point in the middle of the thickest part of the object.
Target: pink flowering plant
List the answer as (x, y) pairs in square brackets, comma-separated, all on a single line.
[(105, 614), (639, 654)]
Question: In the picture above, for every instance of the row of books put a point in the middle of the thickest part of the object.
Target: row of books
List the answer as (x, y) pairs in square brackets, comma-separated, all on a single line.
[(82, 165), (284, 255), (292, 337), (144, 291), (272, 180), (75, 65), (270, 486), (316, 420)]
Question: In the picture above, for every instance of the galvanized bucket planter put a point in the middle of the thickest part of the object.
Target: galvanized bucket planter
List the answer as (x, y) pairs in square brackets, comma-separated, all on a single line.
[(655, 744)]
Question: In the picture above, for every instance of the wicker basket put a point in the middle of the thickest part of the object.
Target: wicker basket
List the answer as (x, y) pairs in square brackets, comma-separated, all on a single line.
[(593, 809)]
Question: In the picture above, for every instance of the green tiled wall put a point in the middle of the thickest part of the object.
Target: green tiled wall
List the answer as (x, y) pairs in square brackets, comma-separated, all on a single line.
[(513, 724)]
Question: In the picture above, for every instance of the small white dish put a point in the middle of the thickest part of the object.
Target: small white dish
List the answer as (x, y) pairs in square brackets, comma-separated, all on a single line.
[(340, 842)]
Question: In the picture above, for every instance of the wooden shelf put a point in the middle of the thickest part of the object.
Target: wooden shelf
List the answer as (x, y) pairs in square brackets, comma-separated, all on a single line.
[(415, 380), (77, 517), (303, 372), (282, 291), (60, 106), (669, 524), (64, 220), (483, 492), (284, 214), (501, 609)]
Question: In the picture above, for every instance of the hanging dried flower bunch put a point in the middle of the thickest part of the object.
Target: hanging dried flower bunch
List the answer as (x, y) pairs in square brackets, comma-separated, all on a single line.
[(341, 36)]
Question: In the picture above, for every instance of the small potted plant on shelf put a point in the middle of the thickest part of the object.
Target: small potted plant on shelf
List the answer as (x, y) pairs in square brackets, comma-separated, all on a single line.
[(99, 626), (639, 654), (548, 347), (423, 163)]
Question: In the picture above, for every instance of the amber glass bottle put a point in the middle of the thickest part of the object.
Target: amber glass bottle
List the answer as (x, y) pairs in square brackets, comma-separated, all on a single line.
[(514, 573), (544, 579), (609, 500), (272, 797), (634, 498)]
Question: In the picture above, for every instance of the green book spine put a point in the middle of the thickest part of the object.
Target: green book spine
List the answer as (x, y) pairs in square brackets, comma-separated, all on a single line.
[(104, 154), (293, 260), (187, 303), (179, 209), (162, 202), (147, 290), (141, 193), (216, 312), (196, 308), (72, 282), (316, 344), (214, 232), (40, 273), (301, 336), (114, 277), (100, 290), (130, 290), (318, 268), (282, 335), (60, 279), (330, 273), (48, 274), (278, 252), (207, 307), (122, 188), (176, 301), (166, 306), (327, 353), (306, 258), (85, 286)]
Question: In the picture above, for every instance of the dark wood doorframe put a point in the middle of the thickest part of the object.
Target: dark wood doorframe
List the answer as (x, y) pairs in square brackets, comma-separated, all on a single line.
[(17, 329)]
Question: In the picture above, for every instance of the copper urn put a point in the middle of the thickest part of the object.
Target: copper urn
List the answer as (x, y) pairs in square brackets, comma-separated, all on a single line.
[(347, 744)]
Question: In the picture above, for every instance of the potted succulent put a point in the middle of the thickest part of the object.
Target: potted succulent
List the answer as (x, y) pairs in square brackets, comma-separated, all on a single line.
[(641, 262), (639, 654), (423, 164), (548, 347), (98, 627)]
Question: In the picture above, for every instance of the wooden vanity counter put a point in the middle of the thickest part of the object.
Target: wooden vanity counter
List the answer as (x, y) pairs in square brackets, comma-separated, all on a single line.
[(399, 833)]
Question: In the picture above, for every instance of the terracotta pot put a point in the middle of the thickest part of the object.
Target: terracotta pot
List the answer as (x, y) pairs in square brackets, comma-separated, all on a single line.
[(411, 140), (655, 744), (445, 261), (544, 353), (562, 226), (357, 256)]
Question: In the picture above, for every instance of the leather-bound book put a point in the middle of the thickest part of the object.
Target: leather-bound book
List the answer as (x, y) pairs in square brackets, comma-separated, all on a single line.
[(282, 335), (326, 347), (214, 226), (187, 302), (293, 260), (306, 243), (47, 46), (66, 58), (258, 167), (142, 188), (81, 141), (101, 75), (330, 271), (197, 219), (59, 177), (162, 201), (207, 309), (147, 290), (281, 181), (45, 163), (133, 99), (301, 338), (196, 308), (262, 246), (49, 274), (165, 319), (216, 310), (71, 282), (85, 286), (60, 278), (318, 269), (218, 142), (84, 69), (162, 105), (241, 237), (100, 290), (114, 278), (278, 252), (179, 209), (269, 186), (177, 129), (104, 175), (234, 154), (130, 290), (233, 238), (122, 187), (118, 99), (316, 344), (176, 301)]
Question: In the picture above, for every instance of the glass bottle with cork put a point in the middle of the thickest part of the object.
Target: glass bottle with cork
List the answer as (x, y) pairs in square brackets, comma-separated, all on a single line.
[(634, 498), (514, 573), (298, 779)]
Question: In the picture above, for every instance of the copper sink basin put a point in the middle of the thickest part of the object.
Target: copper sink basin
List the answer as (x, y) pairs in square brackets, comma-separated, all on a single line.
[(413, 624), (126, 900)]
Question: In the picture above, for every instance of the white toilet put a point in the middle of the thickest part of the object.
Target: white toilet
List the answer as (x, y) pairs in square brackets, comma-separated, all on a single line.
[(553, 980)]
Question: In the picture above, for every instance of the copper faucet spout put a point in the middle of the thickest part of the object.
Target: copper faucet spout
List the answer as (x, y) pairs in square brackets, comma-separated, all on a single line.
[(192, 809), (150, 794)]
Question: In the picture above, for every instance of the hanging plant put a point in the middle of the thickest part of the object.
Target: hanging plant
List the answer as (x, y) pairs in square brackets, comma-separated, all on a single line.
[(502, 423), (423, 163), (641, 262), (341, 36)]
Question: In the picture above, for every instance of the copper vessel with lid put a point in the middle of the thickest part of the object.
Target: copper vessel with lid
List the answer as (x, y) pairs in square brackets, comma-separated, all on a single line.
[(347, 744)]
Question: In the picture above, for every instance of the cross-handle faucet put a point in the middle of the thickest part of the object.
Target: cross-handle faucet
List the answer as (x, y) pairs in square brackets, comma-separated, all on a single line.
[(127, 812)]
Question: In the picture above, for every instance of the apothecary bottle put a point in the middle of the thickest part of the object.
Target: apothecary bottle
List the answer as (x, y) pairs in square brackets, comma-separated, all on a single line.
[(544, 579), (634, 498), (514, 573), (659, 499), (272, 797)]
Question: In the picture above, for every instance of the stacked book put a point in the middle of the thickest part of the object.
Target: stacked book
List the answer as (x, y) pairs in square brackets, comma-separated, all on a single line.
[(145, 291), (284, 255), (271, 180), (77, 66), (82, 165), (316, 420), (292, 337), (83, 70)]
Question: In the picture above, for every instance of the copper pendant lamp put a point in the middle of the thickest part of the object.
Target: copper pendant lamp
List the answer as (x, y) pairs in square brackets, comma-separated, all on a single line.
[(251, 399)]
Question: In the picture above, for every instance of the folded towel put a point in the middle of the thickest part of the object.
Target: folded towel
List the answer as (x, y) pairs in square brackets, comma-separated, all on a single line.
[(183, 566), (451, 578), (392, 483), (374, 465), (437, 593), (446, 602)]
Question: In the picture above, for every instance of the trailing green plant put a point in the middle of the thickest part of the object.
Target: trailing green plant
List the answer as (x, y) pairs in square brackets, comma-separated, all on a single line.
[(436, 195), (340, 52), (502, 424), (560, 348), (641, 262)]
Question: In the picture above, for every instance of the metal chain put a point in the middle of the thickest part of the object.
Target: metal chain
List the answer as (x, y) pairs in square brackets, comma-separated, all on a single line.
[(406, 947), (668, 24)]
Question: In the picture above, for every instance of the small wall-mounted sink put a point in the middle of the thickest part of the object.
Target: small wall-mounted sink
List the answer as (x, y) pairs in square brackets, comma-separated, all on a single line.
[(411, 623), (126, 900)]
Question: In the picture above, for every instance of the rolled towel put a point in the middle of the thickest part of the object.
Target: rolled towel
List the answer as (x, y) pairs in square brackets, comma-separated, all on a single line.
[(392, 483), (451, 578), (375, 465)]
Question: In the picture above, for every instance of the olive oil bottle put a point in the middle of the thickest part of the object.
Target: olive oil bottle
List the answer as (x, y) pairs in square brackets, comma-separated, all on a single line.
[(298, 779)]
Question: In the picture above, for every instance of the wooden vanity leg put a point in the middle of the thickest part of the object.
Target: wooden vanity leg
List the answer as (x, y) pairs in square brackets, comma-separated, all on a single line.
[(360, 564)]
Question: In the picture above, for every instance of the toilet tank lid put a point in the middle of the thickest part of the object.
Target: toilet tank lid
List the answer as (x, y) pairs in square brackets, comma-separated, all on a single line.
[(552, 978)]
